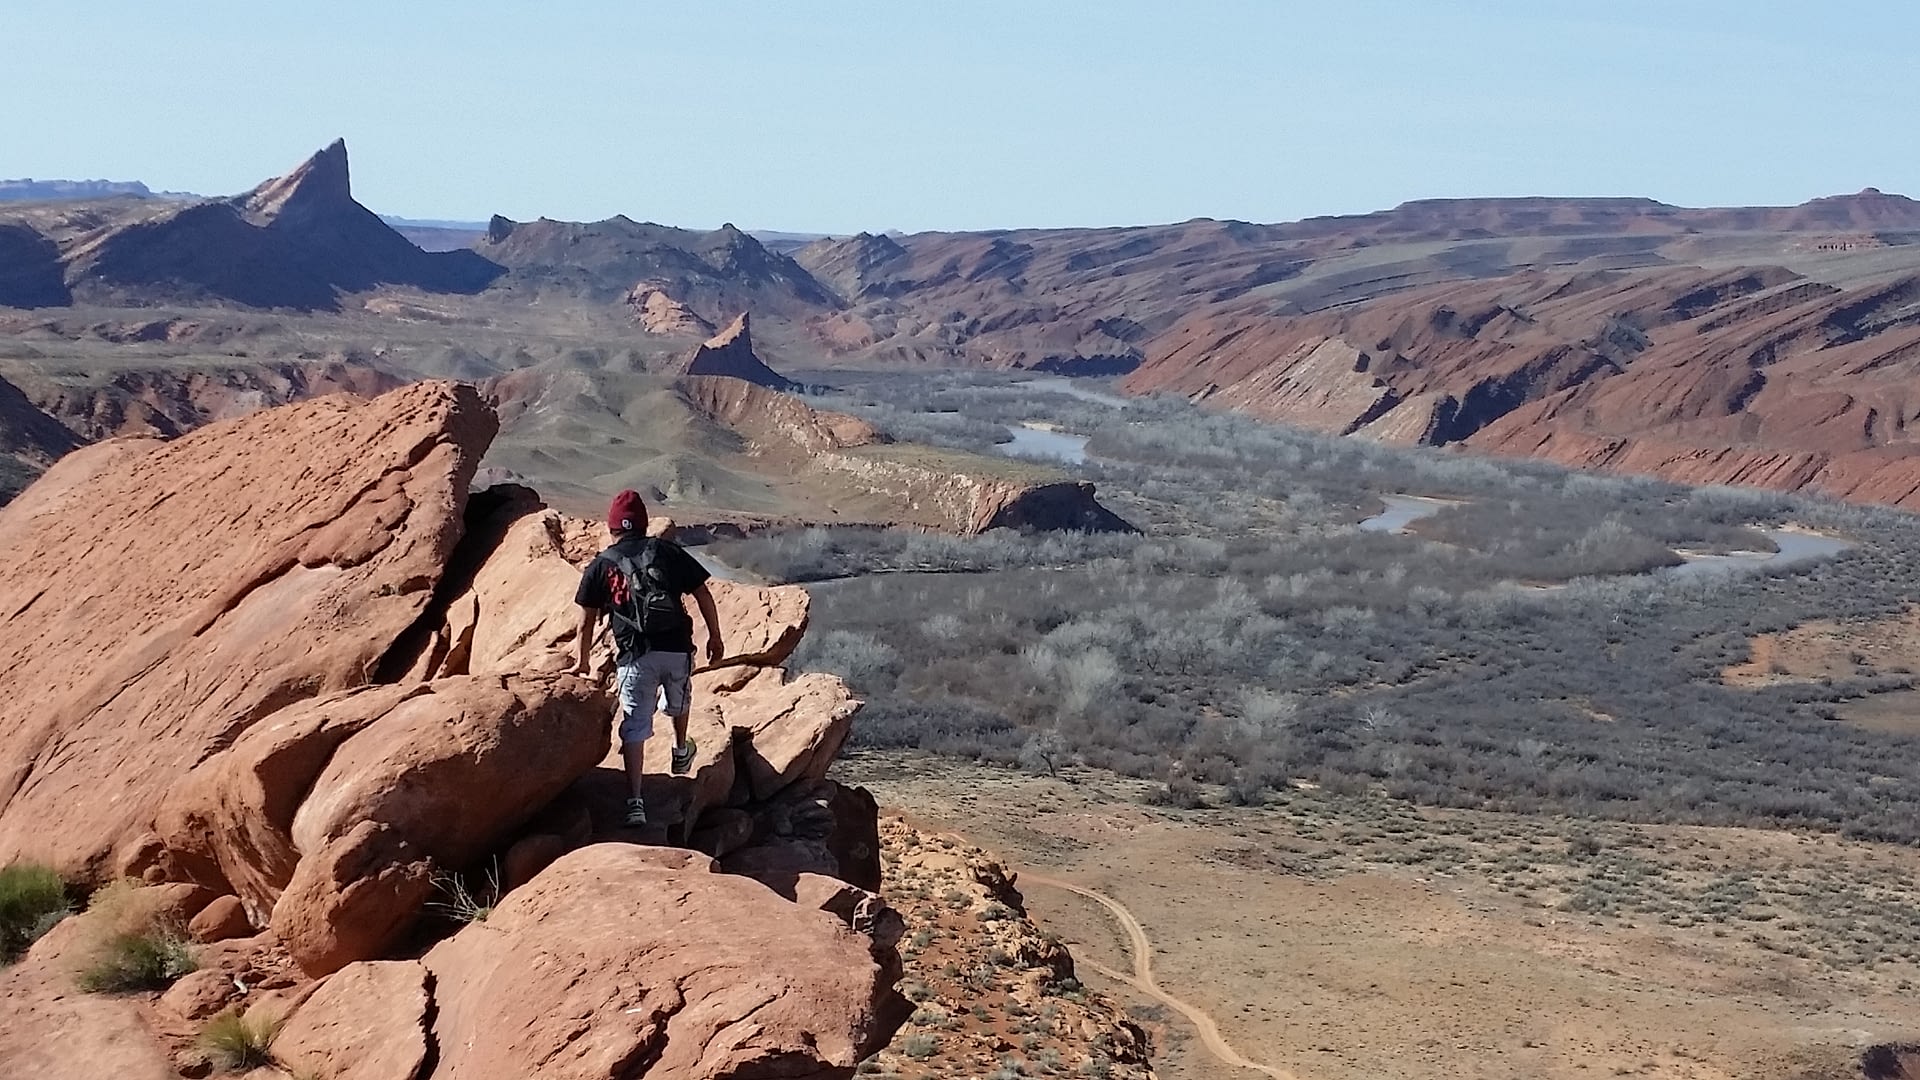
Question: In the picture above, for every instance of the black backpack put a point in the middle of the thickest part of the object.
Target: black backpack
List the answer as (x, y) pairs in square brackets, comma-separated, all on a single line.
[(651, 607)]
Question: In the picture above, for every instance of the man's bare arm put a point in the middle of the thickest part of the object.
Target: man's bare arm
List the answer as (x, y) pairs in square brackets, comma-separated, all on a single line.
[(703, 597), (589, 619)]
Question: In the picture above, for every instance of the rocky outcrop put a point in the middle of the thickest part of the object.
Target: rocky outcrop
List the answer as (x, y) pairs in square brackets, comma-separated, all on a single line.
[(298, 241), (941, 489), (337, 705), (285, 814), (730, 353), (620, 961), (773, 421), (159, 607), (973, 954), (657, 312), (970, 494)]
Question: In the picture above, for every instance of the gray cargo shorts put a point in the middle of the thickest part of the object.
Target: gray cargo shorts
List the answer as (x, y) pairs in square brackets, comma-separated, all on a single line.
[(641, 684)]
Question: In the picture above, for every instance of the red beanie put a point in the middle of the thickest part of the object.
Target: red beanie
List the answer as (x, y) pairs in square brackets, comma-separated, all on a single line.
[(627, 514)]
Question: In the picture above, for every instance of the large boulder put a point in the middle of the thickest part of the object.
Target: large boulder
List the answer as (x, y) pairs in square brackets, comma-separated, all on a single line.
[(759, 732), (231, 819), (364, 1022), (161, 599), (455, 767), (524, 617), (787, 729), (622, 961), (329, 818), (758, 626), (352, 898)]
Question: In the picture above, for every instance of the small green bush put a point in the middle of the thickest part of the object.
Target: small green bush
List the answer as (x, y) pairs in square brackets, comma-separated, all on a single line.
[(138, 960), (920, 1046), (237, 1043), (32, 899)]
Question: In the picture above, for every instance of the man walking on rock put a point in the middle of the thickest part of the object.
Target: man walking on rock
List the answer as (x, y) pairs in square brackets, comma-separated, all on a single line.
[(639, 583)]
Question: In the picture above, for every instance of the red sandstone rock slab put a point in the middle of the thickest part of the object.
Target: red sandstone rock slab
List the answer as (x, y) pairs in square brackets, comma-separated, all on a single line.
[(159, 607), (365, 1022), (618, 961)]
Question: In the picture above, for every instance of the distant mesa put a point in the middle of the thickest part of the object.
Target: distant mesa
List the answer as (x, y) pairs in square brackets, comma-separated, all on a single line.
[(31, 190)]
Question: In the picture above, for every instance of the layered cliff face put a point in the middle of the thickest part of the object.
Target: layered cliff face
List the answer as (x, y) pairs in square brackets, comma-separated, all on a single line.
[(1098, 301), (340, 681), (969, 494), (770, 419), (941, 489), (167, 402), (1753, 376)]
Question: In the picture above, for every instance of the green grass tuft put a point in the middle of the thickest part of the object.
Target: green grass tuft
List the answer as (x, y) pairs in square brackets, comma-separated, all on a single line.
[(32, 899), (237, 1042), (138, 960)]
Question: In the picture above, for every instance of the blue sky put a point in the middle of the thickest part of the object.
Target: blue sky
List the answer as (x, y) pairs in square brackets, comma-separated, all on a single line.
[(917, 114)]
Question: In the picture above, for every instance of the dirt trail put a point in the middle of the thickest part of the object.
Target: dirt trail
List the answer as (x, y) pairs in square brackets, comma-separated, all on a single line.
[(1142, 977)]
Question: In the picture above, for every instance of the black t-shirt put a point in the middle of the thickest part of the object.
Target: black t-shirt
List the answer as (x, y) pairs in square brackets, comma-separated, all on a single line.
[(600, 581)]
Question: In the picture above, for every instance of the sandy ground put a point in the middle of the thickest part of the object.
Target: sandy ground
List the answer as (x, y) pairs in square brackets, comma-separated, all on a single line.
[(1336, 938)]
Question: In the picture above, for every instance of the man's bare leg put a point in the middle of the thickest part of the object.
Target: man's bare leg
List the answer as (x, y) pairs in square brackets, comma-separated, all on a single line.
[(680, 728), (634, 754)]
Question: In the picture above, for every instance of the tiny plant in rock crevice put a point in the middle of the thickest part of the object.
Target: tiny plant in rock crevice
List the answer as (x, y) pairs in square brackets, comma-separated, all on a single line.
[(462, 903)]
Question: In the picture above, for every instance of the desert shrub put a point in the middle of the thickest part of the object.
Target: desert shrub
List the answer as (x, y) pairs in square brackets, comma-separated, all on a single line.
[(130, 960), (858, 658), (920, 1045), (32, 899), (1180, 792), (1255, 636), (237, 1042)]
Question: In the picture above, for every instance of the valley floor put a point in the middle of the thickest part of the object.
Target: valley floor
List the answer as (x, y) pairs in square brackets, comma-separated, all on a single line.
[(1341, 937)]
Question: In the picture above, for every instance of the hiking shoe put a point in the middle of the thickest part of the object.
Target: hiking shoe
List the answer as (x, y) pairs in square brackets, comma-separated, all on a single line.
[(683, 757), (636, 813)]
